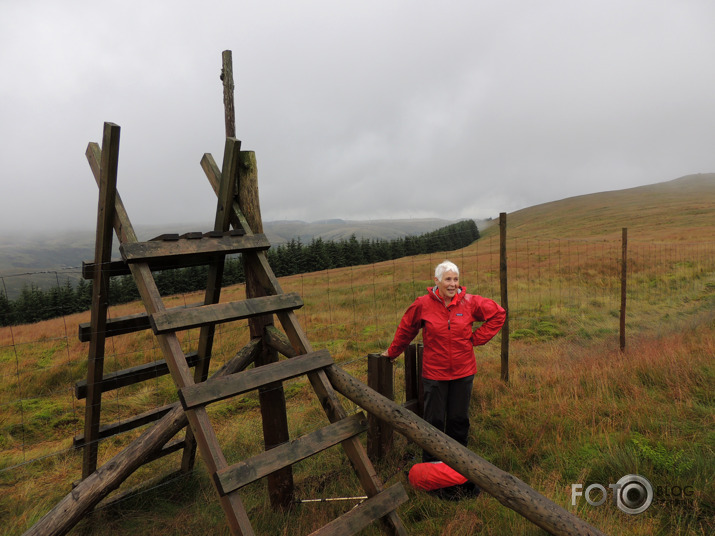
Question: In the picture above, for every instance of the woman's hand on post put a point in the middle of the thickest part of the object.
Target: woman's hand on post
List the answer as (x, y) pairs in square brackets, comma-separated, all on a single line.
[(385, 354)]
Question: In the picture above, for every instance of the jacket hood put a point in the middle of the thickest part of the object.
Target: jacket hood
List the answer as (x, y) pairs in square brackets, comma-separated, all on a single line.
[(434, 293)]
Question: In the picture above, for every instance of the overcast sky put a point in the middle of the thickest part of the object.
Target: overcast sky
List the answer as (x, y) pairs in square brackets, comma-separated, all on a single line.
[(356, 109)]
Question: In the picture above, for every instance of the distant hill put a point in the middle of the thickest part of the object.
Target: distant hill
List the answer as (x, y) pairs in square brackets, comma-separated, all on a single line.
[(680, 209), (279, 232), (65, 251)]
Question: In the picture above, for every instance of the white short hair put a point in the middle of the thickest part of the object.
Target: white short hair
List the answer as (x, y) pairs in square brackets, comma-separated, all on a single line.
[(443, 267)]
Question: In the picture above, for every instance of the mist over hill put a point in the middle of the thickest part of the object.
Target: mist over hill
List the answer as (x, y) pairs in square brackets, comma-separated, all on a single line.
[(64, 251), (681, 208)]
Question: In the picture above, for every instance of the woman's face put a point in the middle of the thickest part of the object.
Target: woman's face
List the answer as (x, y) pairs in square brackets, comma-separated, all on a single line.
[(448, 286)]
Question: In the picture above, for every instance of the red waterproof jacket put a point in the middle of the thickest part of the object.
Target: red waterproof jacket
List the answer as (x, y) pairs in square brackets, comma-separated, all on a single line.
[(447, 334)]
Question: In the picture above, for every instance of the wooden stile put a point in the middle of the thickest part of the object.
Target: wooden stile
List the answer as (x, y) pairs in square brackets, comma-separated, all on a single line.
[(265, 299)]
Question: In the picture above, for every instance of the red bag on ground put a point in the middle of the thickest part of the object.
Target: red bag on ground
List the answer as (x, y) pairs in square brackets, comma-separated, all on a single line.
[(430, 476)]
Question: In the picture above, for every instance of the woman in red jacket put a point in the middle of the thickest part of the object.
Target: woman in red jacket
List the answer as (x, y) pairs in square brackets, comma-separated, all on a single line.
[(446, 315)]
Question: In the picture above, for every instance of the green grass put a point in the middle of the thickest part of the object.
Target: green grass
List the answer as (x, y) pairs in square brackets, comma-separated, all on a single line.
[(576, 409)]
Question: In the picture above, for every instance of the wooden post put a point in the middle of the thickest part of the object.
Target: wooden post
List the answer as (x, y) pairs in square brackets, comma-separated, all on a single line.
[(624, 278), (271, 397), (100, 293), (380, 378), (504, 298), (507, 489), (413, 381), (227, 79)]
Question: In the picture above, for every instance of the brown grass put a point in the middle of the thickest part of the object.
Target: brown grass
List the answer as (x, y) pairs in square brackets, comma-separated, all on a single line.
[(576, 408)]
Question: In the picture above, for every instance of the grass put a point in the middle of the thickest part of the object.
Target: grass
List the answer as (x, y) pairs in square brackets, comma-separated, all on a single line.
[(576, 409)]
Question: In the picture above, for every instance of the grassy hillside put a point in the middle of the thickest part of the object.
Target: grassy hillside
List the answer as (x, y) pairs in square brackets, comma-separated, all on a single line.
[(681, 209), (576, 409)]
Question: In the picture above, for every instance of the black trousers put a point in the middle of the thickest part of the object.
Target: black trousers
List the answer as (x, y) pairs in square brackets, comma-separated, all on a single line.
[(446, 407)]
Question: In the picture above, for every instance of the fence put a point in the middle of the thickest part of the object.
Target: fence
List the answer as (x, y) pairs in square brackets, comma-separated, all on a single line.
[(558, 289)]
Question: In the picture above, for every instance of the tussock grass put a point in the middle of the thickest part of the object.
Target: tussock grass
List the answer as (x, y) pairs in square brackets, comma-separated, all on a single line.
[(576, 409)]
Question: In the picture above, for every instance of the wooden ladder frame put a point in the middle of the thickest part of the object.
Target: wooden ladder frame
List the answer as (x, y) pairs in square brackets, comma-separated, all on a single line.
[(194, 390)]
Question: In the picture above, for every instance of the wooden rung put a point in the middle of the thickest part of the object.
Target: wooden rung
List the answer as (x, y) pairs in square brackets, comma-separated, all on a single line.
[(192, 246), (132, 375), (177, 320), (125, 324), (211, 391), (247, 471), (172, 446), (108, 430), (365, 513), (113, 268)]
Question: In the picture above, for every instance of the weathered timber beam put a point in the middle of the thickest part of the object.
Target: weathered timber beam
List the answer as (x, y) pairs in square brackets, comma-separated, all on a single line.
[(504, 487), (90, 491), (287, 454), (187, 247), (177, 320), (108, 430), (123, 325), (365, 513), (132, 375), (212, 391)]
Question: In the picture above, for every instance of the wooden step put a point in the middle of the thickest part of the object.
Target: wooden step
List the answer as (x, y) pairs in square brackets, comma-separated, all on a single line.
[(365, 513), (211, 391), (123, 325), (108, 430), (177, 320), (186, 260), (132, 375), (247, 471), (203, 247)]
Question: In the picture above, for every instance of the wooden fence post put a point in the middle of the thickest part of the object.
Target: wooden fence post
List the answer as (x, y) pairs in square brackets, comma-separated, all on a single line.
[(380, 379), (624, 274), (413, 379), (281, 487), (504, 298)]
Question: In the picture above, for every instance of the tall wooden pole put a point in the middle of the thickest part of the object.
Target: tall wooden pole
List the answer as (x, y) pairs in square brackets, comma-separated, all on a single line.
[(272, 397), (504, 298), (227, 78), (624, 278)]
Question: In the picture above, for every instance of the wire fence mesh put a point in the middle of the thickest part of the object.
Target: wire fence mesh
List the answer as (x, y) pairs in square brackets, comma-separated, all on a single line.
[(558, 289)]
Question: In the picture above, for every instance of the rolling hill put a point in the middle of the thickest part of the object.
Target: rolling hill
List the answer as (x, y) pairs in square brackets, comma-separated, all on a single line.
[(682, 209)]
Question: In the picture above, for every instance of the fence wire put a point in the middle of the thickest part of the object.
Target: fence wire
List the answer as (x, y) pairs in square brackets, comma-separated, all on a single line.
[(558, 289)]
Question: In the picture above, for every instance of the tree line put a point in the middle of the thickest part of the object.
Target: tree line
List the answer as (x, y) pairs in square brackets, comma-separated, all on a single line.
[(35, 304)]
